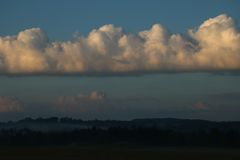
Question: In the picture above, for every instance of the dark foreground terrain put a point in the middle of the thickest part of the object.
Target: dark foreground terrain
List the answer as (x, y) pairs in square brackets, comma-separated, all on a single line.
[(140, 139), (117, 153)]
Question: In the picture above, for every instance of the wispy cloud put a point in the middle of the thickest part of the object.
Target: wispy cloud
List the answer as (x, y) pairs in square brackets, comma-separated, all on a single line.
[(213, 46), (80, 103), (200, 105), (10, 104)]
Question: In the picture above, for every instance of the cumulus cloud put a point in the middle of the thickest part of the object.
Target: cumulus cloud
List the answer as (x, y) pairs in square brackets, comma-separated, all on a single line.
[(80, 103), (10, 104), (213, 46)]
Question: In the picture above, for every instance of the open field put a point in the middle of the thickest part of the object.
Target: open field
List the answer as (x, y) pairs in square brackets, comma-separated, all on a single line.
[(117, 153)]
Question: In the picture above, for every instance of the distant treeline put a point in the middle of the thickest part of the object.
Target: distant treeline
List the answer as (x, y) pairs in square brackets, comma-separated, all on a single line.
[(145, 132)]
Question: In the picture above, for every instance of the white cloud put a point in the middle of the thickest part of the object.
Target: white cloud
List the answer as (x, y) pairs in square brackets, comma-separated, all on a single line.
[(214, 45), (10, 104)]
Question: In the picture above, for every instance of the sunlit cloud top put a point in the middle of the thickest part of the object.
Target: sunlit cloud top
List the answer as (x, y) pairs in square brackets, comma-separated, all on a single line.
[(213, 46)]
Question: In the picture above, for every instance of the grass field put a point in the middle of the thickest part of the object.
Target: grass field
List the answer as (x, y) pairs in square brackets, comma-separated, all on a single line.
[(117, 153)]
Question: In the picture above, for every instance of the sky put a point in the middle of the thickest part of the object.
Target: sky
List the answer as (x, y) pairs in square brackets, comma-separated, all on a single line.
[(120, 59)]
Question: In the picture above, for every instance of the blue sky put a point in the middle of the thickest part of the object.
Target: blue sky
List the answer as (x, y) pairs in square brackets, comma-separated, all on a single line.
[(61, 19), (203, 93)]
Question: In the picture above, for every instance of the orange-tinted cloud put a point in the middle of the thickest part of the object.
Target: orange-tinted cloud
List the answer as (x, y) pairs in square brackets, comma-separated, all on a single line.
[(80, 103), (213, 46), (10, 104), (200, 105)]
